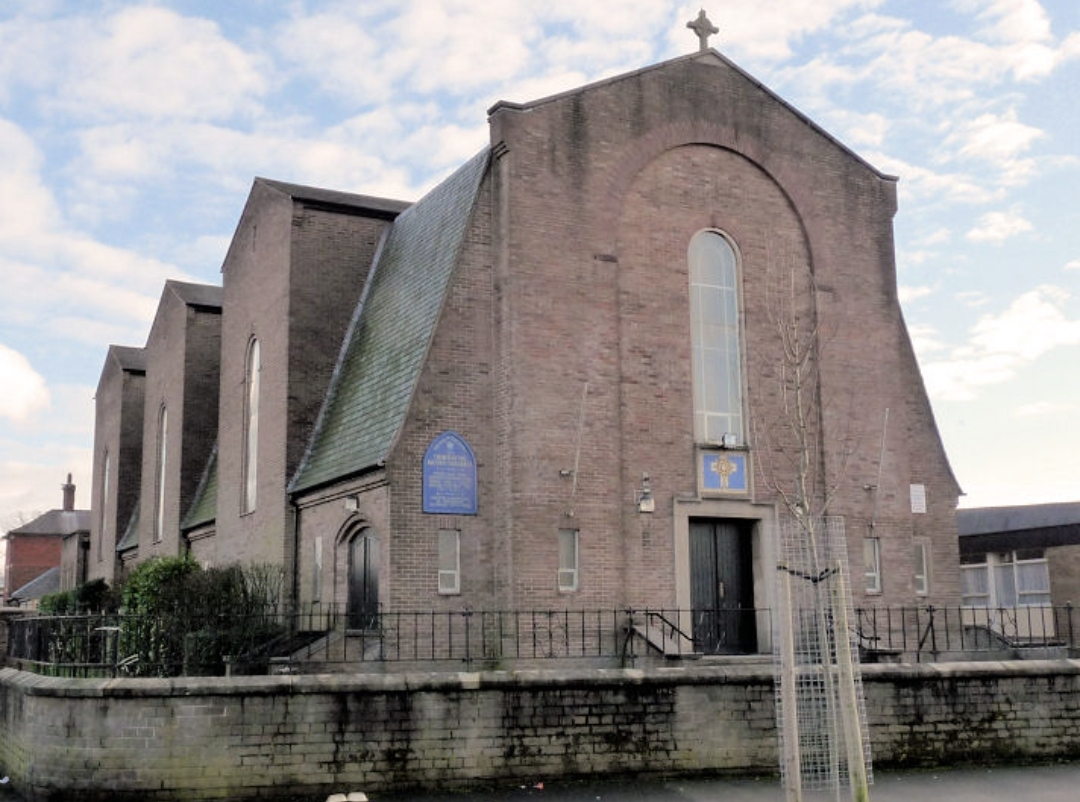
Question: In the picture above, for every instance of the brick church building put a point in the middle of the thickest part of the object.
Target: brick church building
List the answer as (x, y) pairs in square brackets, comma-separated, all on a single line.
[(597, 367)]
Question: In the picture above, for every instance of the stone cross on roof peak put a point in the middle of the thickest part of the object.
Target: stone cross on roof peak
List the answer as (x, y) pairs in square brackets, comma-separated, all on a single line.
[(704, 28)]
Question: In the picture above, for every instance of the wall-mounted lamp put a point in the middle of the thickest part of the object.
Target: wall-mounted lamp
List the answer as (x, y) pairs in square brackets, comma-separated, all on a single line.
[(644, 498), (729, 440)]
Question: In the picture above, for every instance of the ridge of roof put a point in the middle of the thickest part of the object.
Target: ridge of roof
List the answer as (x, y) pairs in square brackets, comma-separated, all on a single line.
[(129, 358), (335, 197), (390, 333), (55, 522), (208, 295), (702, 56)]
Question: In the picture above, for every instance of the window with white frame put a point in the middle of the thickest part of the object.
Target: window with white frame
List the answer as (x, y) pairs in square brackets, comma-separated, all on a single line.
[(449, 561), (872, 561), (920, 558), (714, 338), (1008, 579), (568, 560)]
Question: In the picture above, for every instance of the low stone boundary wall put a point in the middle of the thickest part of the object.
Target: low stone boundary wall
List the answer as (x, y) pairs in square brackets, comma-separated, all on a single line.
[(250, 737)]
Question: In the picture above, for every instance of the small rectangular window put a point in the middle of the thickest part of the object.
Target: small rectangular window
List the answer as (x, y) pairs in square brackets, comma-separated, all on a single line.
[(872, 558), (449, 561), (568, 560), (921, 561)]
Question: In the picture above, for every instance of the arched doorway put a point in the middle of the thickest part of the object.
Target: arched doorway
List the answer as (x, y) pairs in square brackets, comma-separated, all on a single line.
[(362, 601)]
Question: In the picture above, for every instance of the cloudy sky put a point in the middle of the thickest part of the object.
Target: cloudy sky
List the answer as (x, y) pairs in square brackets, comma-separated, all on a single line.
[(130, 133)]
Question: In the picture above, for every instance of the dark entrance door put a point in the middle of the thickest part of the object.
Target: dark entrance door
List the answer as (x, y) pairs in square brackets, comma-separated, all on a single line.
[(722, 586), (362, 608)]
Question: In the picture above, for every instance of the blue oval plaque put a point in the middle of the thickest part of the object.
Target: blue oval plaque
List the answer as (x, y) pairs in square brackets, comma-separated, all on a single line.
[(449, 476)]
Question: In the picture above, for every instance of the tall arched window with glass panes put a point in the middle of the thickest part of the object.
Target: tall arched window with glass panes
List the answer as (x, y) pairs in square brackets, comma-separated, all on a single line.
[(250, 463), (714, 321), (162, 465)]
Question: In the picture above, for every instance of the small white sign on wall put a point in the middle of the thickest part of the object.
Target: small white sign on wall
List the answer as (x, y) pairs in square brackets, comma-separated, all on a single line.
[(918, 498)]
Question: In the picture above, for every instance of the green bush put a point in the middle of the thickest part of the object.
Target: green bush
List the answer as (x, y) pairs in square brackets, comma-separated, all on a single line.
[(157, 586), (90, 597), (181, 617), (96, 597), (62, 603)]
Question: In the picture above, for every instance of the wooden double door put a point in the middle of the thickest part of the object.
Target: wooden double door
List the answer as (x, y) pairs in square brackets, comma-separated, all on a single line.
[(722, 586)]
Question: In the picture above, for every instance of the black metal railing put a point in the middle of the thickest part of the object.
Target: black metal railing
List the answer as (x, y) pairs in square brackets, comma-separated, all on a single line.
[(320, 638), (934, 633)]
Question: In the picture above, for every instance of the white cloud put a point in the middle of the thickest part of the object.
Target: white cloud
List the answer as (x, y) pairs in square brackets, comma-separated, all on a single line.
[(36, 212), (1040, 409), (148, 62), (1073, 265), (996, 227), (920, 185), (998, 140), (973, 298), (769, 28), (936, 237), (1000, 345), (25, 392), (926, 341), (909, 294)]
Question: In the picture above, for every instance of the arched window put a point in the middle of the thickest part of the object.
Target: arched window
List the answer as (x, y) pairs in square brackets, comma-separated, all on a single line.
[(714, 320), (250, 463), (103, 522), (162, 462)]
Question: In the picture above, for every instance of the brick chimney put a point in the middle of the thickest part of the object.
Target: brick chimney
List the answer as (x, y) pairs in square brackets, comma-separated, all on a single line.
[(69, 495)]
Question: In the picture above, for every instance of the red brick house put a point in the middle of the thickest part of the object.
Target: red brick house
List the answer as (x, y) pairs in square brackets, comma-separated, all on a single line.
[(35, 548), (597, 367)]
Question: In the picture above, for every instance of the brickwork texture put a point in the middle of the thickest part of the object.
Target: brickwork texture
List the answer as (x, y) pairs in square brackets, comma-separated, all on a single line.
[(244, 738)]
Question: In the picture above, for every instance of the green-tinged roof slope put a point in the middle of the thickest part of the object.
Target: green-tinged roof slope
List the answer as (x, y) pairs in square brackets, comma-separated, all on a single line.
[(130, 540), (390, 332), (203, 509)]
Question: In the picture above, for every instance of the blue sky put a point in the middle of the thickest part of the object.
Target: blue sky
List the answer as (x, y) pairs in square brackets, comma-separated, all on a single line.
[(130, 134)]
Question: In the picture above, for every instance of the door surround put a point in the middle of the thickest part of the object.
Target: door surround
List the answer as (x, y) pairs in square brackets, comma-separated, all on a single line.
[(762, 518)]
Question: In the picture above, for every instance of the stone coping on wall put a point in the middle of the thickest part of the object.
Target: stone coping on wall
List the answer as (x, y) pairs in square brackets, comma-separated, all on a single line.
[(699, 674), (129, 687)]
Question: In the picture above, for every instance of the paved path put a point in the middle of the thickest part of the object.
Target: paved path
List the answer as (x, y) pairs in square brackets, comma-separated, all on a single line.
[(1049, 783)]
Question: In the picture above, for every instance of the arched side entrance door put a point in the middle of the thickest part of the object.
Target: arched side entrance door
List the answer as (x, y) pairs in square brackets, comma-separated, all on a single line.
[(362, 604)]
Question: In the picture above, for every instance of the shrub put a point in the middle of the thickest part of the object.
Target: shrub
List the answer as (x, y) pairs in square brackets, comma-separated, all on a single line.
[(61, 603), (179, 616)]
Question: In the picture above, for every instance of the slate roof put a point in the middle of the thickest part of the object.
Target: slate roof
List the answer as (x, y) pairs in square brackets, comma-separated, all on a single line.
[(390, 332), (42, 585), (56, 522), (988, 529), (1011, 519), (128, 358), (130, 540), (203, 508)]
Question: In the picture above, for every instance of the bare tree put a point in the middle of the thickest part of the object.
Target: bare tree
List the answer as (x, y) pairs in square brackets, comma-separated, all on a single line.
[(817, 677)]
